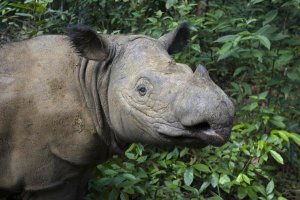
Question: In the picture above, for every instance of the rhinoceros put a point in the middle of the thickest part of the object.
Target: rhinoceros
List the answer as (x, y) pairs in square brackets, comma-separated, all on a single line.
[(68, 103)]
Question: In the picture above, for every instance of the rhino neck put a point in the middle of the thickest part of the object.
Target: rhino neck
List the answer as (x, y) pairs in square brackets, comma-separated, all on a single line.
[(94, 79)]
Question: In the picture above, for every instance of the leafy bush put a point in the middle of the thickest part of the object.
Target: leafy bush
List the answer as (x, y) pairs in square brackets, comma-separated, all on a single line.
[(22, 20), (252, 50)]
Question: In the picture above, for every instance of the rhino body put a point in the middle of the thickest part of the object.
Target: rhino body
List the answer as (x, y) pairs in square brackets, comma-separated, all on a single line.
[(68, 103)]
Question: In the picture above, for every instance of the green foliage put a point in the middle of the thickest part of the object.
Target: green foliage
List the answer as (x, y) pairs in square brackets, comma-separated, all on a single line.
[(251, 48), (22, 20)]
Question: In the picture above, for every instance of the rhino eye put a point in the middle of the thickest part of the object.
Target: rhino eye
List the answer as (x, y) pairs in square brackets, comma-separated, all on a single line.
[(142, 90)]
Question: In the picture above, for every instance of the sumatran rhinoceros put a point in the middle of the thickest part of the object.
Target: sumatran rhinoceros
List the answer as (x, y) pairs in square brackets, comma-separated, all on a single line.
[(68, 103)]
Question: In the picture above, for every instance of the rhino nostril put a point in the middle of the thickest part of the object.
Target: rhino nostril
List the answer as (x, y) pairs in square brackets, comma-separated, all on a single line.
[(201, 126)]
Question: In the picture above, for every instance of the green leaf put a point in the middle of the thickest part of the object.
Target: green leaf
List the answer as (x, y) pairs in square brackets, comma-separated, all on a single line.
[(281, 198), (133, 146), (170, 3), (130, 155), (227, 53), (247, 88), (188, 176), (214, 180), (293, 75), (140, 190), (246, 178), (251, 193), (242, 192), (264, 41), (238, 71), (238, 127), (276, 156), (113, 195), (152, 20), (142, 159), (277, 123), (296, 138), (270, 187), (266, 30), (263, 95), (196, 47), (169, 155), (226, 38), (270, 196), (194, 191), (239, 178), (130, 177), (183, 152), (265, 118), (252, 2), (261, 144), (224, 178), (215, 198), (202, 168), (270, 16), (204, 185), (110, 172), (258, 54), (159, 13), (139, 149), (40, 9), (283, 134), (236, 41), (24, 15), (20, 5), (251, 106), (279, 36), (260, 188), (225, 48), (283, 60)]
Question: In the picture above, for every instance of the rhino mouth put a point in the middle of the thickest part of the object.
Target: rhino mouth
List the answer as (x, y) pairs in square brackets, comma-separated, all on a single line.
[(199, 135)]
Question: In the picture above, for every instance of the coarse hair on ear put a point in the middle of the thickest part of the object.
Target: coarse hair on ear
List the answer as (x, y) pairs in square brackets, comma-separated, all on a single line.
[(87, 43), (176, 40)]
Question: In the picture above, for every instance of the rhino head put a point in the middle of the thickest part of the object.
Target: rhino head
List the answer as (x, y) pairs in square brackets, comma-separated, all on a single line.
[(145, 96)]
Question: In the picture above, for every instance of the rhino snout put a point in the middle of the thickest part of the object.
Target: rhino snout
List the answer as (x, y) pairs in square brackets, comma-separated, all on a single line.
[(204, 110)]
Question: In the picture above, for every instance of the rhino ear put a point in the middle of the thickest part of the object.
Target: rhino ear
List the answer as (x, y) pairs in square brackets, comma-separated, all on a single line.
[(88, 43), (176, 40)]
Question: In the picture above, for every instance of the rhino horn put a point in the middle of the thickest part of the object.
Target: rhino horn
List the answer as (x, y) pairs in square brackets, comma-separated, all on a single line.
[(88, 43), (176, 40)]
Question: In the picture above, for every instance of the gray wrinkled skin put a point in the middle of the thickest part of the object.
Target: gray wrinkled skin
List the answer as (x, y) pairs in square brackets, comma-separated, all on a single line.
[(68, 103)]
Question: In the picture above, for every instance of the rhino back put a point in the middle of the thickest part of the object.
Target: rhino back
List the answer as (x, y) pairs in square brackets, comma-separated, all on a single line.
[(44, 126)]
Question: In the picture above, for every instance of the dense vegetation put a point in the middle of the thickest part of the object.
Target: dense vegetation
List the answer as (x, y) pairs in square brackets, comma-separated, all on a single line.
[(252, 50)]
